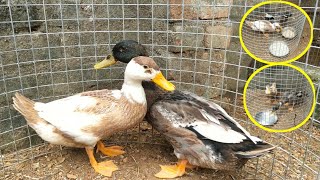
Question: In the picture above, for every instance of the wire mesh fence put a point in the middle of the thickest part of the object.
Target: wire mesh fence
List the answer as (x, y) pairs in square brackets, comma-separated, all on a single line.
[(283, 90), (48, 50), (276, 32)]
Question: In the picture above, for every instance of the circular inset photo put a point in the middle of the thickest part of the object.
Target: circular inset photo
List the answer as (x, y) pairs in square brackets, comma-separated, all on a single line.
[(279, 98), (276, 31)]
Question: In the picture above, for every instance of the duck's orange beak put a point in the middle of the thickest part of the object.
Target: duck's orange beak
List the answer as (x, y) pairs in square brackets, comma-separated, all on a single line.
[(161, 81)]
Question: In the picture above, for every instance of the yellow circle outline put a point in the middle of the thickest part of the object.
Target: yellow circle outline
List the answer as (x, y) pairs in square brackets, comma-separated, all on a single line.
[(270, 2), (278, 130)]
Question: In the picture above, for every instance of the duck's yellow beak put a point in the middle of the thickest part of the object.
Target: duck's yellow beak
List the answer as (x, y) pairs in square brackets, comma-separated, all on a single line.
[(108, 61), (161, 81)]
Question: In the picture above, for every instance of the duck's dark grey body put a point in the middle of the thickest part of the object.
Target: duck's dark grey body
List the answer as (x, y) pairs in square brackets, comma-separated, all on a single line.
[(200, 131)]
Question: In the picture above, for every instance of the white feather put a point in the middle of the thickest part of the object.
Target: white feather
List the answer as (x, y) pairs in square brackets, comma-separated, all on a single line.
[(218, 133), (133, 76), (65, 114), (69, 104), (255, 139), (46, 132), (134, 93), (116, 94), (263, 26), (233, 121), (259, 26), (209, 117)]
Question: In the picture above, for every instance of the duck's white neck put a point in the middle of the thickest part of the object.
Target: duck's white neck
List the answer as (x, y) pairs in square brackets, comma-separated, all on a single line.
[(133, 91)]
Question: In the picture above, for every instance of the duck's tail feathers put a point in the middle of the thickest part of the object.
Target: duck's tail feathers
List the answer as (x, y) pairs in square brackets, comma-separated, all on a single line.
[(261, 149), (26, 107)]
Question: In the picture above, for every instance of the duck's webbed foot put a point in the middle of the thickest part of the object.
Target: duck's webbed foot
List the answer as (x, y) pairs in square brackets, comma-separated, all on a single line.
[(110, 151), (105, 168), (173, 171)]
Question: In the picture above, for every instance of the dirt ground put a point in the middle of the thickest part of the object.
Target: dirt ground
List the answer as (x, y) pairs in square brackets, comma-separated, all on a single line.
[(141, 160), (297, 154)]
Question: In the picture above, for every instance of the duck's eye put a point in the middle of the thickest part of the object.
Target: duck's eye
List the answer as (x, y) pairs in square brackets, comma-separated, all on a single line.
[(145, 67), (109, 56)]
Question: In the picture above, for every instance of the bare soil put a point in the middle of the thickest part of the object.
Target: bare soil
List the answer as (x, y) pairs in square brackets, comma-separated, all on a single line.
[(141, 160)]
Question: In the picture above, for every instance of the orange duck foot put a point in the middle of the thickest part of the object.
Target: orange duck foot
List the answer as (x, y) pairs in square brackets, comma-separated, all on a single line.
[(109, 151), (173, 171), (105, 168)]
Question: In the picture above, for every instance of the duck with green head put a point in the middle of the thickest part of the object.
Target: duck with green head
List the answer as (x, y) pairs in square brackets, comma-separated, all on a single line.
[(200, 131)]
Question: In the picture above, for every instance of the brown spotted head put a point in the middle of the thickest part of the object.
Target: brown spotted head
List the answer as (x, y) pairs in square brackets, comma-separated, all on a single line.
[(144, 68)]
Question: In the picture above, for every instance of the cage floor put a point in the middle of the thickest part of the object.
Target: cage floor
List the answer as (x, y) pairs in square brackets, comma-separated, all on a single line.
[(142, 160), (286, 118), (297, 155), (266, 55)]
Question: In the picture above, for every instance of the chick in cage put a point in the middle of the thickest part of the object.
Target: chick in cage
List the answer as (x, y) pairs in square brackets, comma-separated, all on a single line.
[(291, 99), (287, 98), (279, 17), (272, 92), (274, 32), (264, 26), (278, 97), (275, 23), (282, 18)]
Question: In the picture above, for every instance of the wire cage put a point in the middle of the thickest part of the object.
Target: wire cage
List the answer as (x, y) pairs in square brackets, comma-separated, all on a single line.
[(48, 49), (276, 46), (280, 84)]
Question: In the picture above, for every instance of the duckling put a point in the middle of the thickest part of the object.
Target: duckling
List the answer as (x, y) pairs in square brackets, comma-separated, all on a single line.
[(291, 98), (82, 120), (280, 17), (200, 131), (264, 26), (272, 92)]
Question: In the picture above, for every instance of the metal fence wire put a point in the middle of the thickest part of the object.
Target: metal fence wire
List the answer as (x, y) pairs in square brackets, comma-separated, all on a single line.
[(288, 43), (48, 49), (280, 84)]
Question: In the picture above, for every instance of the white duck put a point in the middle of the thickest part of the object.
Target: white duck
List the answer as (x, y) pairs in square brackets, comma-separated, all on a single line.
[(82, 120)]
